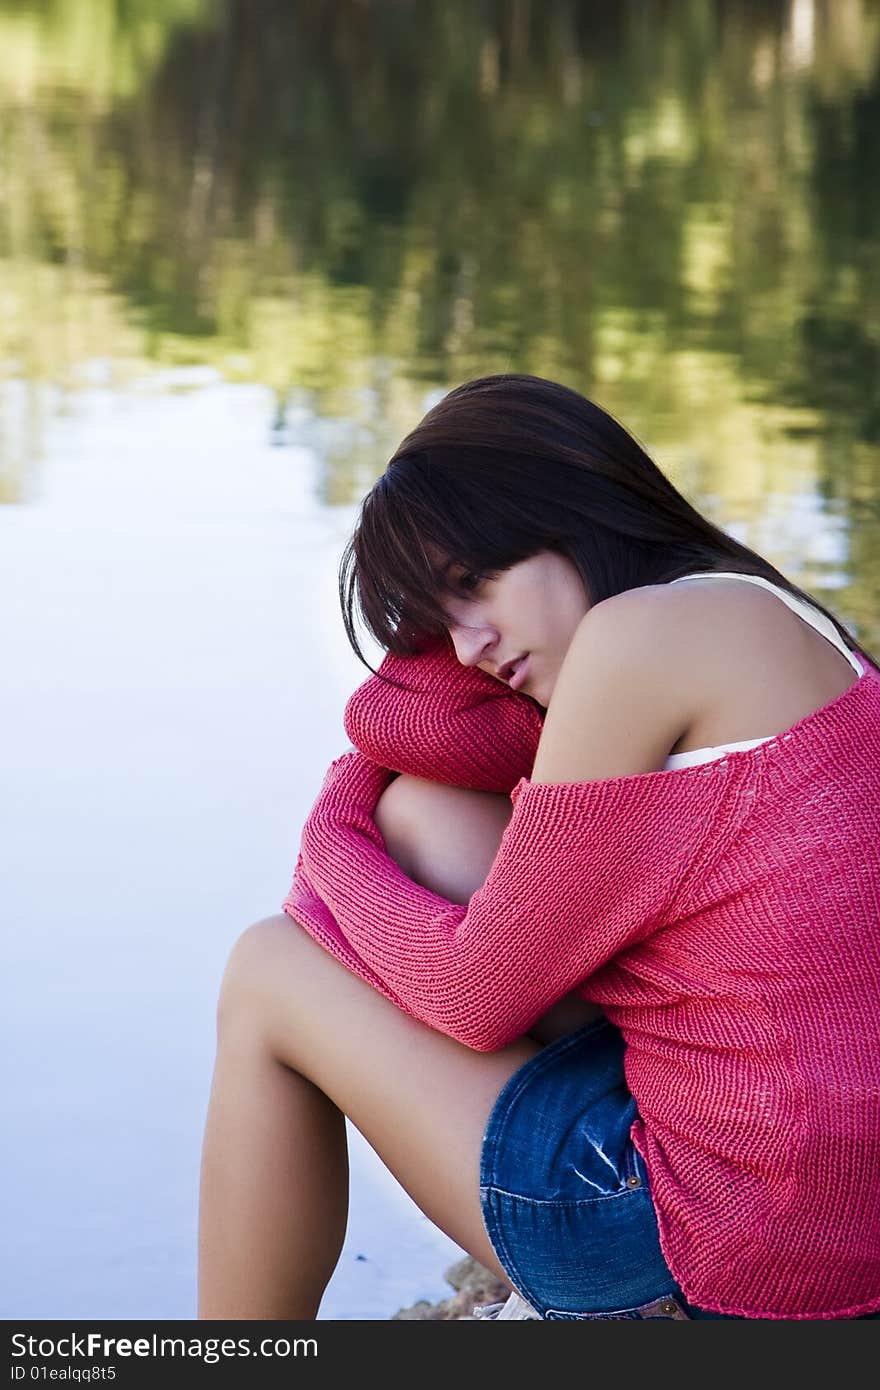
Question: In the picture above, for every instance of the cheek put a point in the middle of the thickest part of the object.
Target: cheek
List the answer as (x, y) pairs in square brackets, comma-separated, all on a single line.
[(560, 638), (457, 612)]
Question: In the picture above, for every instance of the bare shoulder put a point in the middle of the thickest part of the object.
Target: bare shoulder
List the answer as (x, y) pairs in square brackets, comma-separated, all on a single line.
[(743, 664), (704, 626), (624, 696), (652, 624), (669, 668)]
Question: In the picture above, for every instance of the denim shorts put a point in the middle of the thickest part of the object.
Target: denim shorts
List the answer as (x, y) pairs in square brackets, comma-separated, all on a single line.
[(564, 1192)]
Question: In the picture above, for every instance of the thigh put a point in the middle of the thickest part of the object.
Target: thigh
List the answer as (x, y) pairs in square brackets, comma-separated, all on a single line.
[(420, 1099)]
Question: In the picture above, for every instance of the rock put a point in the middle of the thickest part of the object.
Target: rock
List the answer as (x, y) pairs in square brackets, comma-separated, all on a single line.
[(421, 1310), (472, 1283)]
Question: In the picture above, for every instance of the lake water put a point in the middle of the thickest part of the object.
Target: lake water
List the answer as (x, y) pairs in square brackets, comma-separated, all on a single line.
[(242, 249), (177, 691)]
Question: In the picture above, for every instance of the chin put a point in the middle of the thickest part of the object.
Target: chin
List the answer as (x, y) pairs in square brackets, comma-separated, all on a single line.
[(543, 697), (540, 697)]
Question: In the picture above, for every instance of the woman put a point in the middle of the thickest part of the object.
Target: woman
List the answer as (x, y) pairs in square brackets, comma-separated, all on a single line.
[(583, 934)]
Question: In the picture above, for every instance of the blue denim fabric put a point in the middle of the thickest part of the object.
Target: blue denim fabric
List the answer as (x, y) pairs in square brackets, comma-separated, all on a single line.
[(564, 1193)]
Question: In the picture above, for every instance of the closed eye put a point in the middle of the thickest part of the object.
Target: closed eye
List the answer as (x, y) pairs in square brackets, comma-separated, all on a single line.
[(469, 581)]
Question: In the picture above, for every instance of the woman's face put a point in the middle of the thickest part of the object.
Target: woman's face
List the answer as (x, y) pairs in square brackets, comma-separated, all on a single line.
[(530, 610)]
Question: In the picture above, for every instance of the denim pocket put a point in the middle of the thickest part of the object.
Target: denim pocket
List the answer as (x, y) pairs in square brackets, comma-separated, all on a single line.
[(556, 1315), (667, 1308), (563, 1191)]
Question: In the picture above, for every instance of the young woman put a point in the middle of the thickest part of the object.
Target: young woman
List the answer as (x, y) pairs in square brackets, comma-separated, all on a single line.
[(584, 933)]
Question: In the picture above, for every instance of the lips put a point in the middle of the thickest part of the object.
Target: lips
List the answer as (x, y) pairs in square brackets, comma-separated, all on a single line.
[(520, 675), (506, 671), (514, 671)]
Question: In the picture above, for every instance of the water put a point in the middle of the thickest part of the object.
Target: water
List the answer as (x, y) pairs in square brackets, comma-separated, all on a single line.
[(177, 692), (242, 248)]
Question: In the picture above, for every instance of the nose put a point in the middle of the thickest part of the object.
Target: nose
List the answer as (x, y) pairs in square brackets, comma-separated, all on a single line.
[(472, 644)]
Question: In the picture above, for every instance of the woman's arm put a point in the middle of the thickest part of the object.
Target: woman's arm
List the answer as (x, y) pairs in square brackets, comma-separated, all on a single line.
[(584, 870), (446, 839), (305, 905), (445, 722), (430, 716)]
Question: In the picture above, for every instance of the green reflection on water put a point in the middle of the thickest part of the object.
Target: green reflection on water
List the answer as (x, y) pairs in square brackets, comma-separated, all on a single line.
[(672, 208)]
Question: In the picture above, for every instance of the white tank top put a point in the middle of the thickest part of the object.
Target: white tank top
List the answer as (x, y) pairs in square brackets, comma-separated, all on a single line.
[(810, 615)]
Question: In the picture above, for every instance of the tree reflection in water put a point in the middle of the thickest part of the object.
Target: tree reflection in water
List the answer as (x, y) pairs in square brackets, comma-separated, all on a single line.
[(670, 207)]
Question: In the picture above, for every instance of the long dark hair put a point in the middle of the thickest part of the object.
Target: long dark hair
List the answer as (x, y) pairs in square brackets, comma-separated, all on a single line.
[(501, 468)]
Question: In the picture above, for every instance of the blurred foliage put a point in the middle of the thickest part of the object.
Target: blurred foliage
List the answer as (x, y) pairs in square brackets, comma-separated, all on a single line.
[(670, 204)]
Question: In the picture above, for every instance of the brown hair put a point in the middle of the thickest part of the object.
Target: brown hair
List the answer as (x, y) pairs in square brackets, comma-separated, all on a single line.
[(506, 466)]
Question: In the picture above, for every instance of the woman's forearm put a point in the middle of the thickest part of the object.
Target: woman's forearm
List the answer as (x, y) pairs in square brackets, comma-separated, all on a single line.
[(584, 871), (445, 839)]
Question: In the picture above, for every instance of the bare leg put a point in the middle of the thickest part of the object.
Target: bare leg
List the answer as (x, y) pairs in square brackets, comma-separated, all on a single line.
[(273, 1200), (301, 1043)]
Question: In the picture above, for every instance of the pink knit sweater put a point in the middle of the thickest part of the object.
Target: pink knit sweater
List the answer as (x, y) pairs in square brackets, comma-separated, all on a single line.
[(725, 916)]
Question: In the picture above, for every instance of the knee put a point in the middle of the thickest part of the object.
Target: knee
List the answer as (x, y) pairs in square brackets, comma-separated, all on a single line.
[(252, 965), (410, 813), (443, 837), (401, 805)]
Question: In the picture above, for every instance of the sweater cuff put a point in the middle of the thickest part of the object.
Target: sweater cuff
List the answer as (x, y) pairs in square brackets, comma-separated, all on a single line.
[(432, 717), (350, 791)]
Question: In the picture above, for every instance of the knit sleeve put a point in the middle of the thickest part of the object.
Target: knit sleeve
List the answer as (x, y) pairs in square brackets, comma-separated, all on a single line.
[(433, 717), (583, 872), (305, 906)]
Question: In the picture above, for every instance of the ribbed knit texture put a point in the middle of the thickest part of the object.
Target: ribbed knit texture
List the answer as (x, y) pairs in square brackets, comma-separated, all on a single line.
[(727, 919), (452, 723)]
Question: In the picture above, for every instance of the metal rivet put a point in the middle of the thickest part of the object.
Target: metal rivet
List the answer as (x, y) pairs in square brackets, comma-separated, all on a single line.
[(634, 1181), (669, 1307)]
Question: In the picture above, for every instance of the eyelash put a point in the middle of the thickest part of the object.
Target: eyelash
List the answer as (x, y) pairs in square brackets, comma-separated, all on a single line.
[(470, 580)]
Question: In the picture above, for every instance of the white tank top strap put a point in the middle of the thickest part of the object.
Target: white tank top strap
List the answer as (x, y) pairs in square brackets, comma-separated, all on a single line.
[(811, 615)]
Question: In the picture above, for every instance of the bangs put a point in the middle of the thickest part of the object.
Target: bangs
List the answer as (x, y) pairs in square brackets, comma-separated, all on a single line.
[(412, 531)]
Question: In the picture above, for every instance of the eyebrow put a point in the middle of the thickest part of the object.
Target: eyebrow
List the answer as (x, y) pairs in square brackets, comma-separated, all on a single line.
[(440, 574)]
